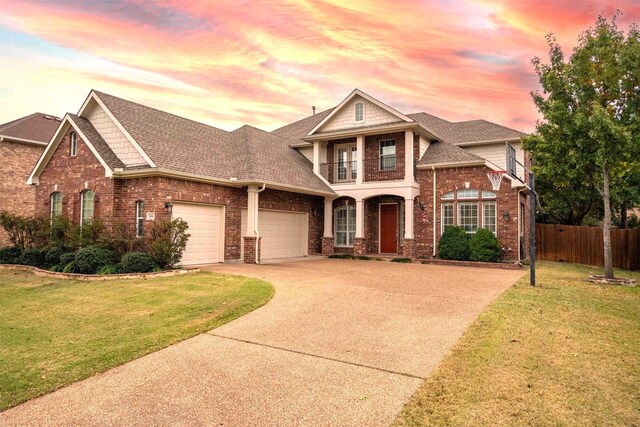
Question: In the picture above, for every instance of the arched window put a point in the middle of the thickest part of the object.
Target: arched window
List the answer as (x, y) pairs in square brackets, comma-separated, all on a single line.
[(74, 144), (139, 218), (469, 209), (345, 225), (87, 202), (56, 204)]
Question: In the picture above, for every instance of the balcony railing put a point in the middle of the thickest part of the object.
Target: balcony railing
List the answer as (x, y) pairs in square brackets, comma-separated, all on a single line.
[(339, 172), (384, 168)]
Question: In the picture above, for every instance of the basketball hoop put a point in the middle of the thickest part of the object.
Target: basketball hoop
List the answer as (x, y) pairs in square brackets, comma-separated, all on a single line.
[(495, 177)]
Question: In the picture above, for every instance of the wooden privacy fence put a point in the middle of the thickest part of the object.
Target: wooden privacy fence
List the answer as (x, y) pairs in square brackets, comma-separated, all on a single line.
[(584, 245)]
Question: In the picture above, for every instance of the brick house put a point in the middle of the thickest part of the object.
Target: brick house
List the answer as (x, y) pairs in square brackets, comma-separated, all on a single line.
[(22, 141), (361, 177)]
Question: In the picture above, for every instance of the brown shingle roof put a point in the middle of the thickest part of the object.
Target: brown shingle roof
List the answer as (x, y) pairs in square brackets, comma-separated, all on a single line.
[(293, 132), (36, 127), (96, 140), (446, 153), (182, 145), (469, 131)]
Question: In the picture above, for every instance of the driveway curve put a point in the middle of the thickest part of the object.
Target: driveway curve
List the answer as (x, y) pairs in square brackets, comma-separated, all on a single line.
[(341, 343)]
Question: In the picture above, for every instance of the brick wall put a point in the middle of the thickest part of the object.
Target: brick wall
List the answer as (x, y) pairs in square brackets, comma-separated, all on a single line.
[(70, 175), (16, 196), (453, 179), (372, 170)]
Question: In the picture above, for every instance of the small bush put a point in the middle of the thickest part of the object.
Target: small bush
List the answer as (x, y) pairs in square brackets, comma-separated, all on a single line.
[(33, 257), (66, 258), (86, 235), (10, 255), (167, 241), (108, 269), (52, 256), (454, 244), (55, 268), (70, 268), (402, 260), (90, 259), (23, 231), (137, 262), (484, 246)]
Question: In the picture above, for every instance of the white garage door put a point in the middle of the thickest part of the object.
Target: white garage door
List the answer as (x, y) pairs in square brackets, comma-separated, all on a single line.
[(206, 243), (283, 234)]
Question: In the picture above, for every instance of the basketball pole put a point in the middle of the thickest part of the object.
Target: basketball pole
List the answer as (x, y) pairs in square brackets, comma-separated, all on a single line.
[(532, 230)]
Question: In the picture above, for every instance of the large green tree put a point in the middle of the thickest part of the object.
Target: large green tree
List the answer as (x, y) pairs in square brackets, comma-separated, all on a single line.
[(590, 134)]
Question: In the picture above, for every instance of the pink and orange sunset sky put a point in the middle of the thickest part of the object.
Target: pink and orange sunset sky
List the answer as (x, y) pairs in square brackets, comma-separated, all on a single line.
[(227, 63)]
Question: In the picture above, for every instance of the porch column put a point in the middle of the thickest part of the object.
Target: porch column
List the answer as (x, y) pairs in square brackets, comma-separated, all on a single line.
[(359, 242), (328, 217), (408, 245), (251, 241), (360, 159), (316, 157), (408, 156)]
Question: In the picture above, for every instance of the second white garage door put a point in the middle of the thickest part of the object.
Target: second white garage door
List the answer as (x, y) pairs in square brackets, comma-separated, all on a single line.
[(206, 243), (283, 234)]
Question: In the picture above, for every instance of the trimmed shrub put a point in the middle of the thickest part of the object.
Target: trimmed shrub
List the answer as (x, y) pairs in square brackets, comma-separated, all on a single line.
[(484, 246), (24, 231), (90, 259), (66, 258), (454, 244), (137, 262), (33, 257), (52, 256), (10, 255), (70, 268), (402, 260), (167, 241), (108, 269)]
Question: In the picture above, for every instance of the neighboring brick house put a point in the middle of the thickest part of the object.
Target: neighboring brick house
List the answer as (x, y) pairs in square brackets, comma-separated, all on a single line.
[(299, 190), (22, 141)]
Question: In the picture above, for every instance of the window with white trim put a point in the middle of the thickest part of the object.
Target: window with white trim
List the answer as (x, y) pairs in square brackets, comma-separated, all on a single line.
[(468, 216), (139, 218), (447, 216), (489, 217), (448, 196), (345, 225), (467, 194), (74, 144), (488, 194), (388, 155), (359, 112), (56, 204), (87, 202)]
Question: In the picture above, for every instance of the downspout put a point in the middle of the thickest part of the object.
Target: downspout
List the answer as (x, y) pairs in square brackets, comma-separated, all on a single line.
[(255, 227), (433, 169), (519, 222)]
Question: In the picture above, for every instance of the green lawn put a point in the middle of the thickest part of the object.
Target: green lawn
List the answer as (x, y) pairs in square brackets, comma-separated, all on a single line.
[(564, 353), (55, 332)]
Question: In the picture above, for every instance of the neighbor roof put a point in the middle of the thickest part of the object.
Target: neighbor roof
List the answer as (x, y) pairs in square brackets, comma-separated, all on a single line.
[(183, 145), (35, 128)]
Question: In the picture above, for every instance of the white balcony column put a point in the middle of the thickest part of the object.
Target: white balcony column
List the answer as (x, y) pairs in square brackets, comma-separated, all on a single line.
[(360, 159), (359, 219), (408, 218), (328, 217), (408, 156), (252, 211), (316, 157)]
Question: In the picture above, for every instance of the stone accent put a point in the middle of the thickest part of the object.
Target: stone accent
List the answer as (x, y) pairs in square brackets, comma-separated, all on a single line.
[(408, 248), (250, 255), (327, 245), (15, 195), (359, 246)]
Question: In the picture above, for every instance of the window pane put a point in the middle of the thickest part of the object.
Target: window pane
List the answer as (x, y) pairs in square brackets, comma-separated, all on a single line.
[(488, 195), (139, 218), (387, 155), (359, 112), (468, 194), (489, 216), (448, 196), (468, 216), (56, 205), (87, 207), (447, 215)]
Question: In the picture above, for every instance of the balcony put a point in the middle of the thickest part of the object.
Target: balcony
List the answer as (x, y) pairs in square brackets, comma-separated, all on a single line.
[(386, 168)]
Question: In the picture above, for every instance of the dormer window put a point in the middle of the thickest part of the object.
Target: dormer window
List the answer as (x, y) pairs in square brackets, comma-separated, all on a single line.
[(74, 144), (359, 112)]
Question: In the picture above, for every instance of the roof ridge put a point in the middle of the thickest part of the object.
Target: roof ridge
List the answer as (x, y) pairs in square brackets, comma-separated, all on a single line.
[(97, 92)]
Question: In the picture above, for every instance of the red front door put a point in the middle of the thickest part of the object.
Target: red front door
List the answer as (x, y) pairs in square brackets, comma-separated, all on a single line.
[(389, 228)]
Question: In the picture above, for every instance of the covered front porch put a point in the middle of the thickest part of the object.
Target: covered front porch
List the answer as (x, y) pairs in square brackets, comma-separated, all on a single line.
[(375, 225)]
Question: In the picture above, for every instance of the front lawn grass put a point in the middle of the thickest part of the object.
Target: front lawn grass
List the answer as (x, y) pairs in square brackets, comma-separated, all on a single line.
[(55, 332), (563, 353)]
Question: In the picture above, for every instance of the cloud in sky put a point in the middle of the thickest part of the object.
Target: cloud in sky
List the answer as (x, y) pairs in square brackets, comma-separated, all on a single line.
[(227, 63)]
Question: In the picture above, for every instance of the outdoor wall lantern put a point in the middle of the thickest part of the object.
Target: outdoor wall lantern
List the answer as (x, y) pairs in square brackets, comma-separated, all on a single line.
[(506, 216)]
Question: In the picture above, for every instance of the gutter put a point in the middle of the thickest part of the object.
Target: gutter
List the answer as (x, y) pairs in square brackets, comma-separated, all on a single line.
[(255, 228), (433, 169)]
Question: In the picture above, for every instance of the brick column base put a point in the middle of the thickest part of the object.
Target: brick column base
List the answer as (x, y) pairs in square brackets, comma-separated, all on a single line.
[(250, 255), (327, 245), (359, 246), (408, 248)]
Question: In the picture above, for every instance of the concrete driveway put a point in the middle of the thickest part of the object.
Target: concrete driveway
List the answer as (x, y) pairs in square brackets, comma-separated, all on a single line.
[(341, 343)]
